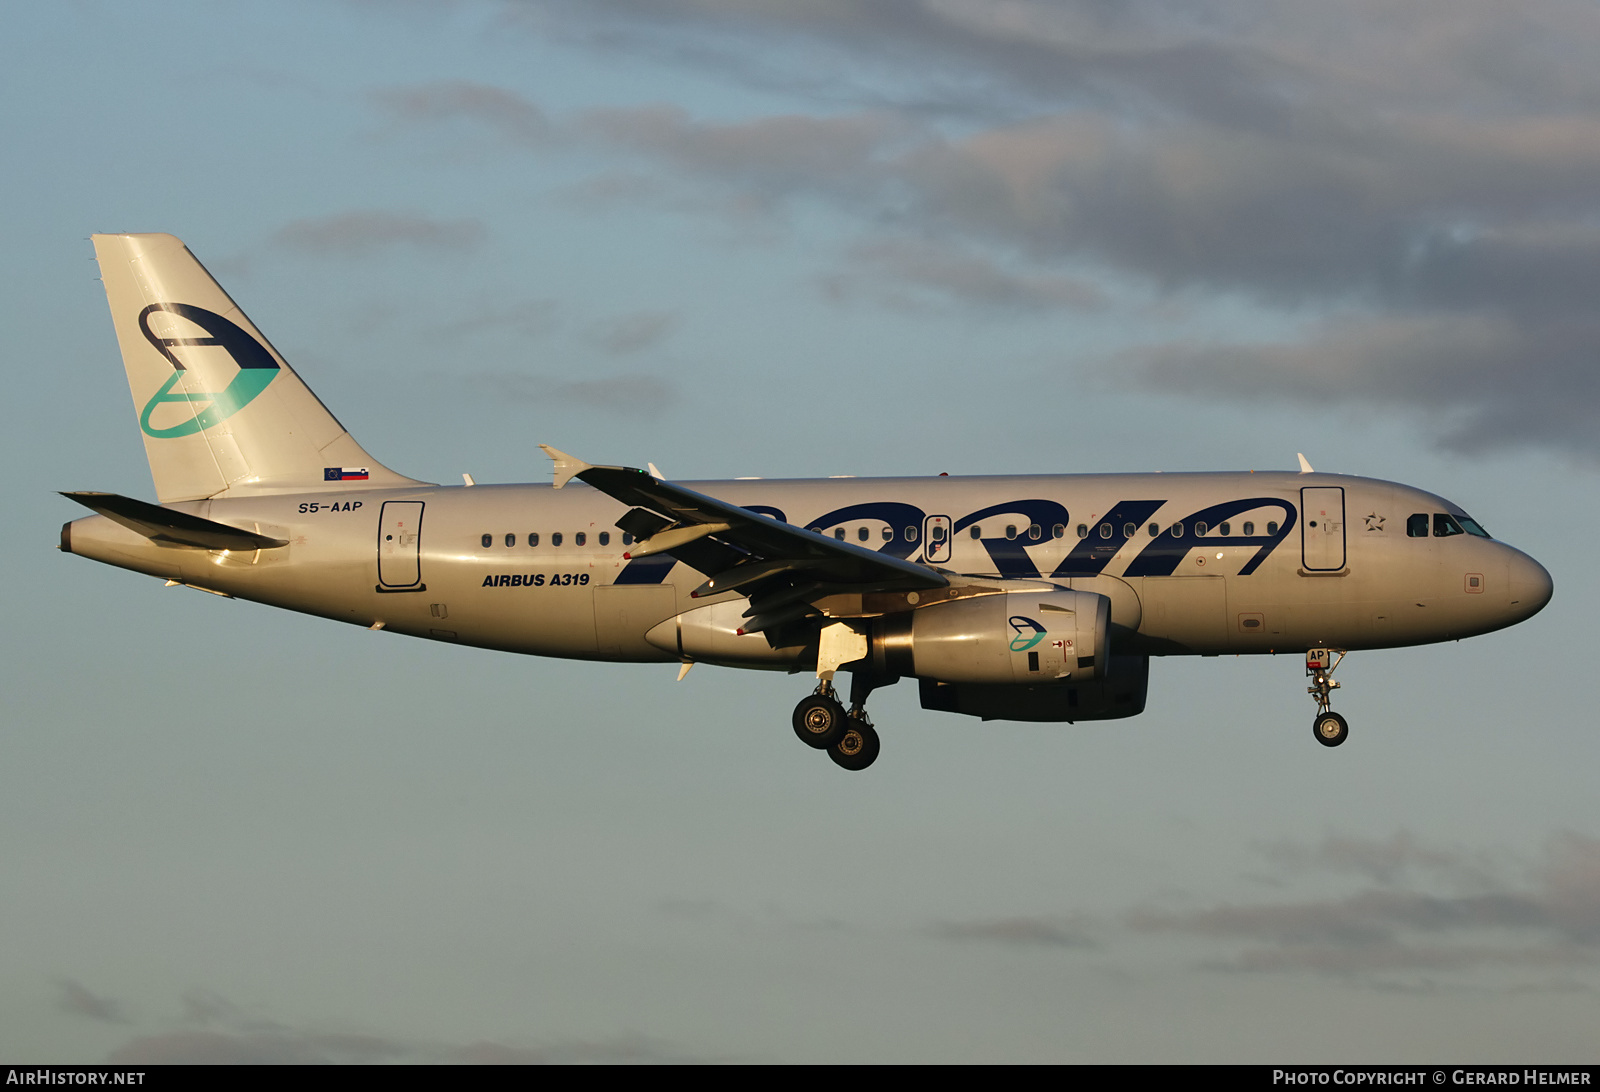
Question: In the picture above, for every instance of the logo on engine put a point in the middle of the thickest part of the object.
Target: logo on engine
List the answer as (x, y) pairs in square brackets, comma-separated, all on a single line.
[(256, 369), (1029, 633)]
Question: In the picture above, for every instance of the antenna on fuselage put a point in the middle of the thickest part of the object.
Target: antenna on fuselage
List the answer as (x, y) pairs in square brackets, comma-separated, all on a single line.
[(1305, 467)]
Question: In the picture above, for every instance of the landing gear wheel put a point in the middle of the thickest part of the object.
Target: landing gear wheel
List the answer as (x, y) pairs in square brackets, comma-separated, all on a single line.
[(1330, 729), (819, 721), (858, 748)]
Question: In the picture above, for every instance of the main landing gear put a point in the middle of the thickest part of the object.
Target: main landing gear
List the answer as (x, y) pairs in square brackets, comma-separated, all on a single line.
[(1329, 727), (820, 721)]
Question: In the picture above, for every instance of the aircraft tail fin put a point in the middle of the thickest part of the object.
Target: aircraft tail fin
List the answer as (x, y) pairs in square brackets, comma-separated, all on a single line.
[(222, 414)]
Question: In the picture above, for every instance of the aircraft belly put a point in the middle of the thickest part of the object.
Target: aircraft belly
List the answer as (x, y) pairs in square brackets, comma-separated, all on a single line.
[(1185, 614)]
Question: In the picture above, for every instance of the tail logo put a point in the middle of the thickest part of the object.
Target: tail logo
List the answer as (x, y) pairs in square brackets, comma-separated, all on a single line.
[(255, 364)]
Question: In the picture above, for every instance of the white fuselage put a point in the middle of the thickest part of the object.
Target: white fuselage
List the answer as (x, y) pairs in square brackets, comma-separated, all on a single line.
[(1192, 563)]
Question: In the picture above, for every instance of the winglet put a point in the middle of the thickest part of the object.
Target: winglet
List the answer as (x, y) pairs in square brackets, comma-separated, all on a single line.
[(566, 467), (1305, 467)]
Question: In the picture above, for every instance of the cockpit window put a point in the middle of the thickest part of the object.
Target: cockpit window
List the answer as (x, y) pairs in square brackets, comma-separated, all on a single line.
[(1473, 527), (1417, 525), (1445, 525)]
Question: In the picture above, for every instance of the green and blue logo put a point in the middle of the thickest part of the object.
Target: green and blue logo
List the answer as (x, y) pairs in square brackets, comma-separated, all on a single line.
[(1029, 633), (256, 370)]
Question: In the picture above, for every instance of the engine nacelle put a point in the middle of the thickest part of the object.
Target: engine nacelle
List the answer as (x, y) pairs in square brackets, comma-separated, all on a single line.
[(1016, 637), (1119, 693)]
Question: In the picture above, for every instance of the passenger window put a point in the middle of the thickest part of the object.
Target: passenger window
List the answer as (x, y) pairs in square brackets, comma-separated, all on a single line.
[(977, 532), (1154, 529), (1083, 530), (888, 534), (1445, 525), (838, 533), (627, 538), (533, 539), (579, 539), (555, 539), (1224, 528), (605, 538), (911, 534), (1177, 530), (1272, 527), (1417, 526), (1059, 531), (488, 541), (1035, 532), (1105, 530), (862, 533), (1129, 530), (1199, 527), (511, 540), (1249, 527), (1011, 530)]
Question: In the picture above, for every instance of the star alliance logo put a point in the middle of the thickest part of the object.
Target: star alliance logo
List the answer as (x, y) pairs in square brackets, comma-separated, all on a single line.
[(1374, 522)]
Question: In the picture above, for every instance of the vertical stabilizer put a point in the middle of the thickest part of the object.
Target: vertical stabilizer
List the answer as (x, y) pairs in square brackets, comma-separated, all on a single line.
[(222, 414)]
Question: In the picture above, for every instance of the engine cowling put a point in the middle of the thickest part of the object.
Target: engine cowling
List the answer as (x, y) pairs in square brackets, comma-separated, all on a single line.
[(1120, 692), (1015, 637)]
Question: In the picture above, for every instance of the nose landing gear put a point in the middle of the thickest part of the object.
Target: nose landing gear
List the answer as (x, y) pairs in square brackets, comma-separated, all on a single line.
[(1329, 727)]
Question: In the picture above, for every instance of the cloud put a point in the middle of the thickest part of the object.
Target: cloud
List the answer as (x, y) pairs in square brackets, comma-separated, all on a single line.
[(630, 333), (362, 234), (1043, 932), (1417, 191), (1463, 918), (917, 273), (75, 998), (507, 114), (220, 1033), (1484, 381), (200, 1047)]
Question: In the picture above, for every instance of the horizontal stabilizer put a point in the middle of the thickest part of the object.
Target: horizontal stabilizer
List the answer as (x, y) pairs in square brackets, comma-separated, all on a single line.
[(175, 528)]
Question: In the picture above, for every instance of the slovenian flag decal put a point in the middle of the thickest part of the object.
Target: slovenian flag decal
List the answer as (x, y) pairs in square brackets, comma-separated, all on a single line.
[(344, 474)]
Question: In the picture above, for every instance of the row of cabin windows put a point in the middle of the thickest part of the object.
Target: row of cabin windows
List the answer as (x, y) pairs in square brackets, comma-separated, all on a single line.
[(579, 538), (1225, 528), (1036, 532), (1444, 525), (864, 534)]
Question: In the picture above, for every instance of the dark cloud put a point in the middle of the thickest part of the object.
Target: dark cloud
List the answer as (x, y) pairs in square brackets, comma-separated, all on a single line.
[(919, 273), (226, 1035), (200, 1047), (625, 395), (362, 234), (1045, 932), (1482, 380), (75, 998), (630, 333), (1459, 916), (1418, 189), (508, 115)]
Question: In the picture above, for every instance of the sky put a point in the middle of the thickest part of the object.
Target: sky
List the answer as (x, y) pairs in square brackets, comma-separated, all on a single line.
[(876, 237)]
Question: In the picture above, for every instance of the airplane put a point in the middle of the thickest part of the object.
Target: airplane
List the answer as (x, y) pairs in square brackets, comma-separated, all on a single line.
[(1025, 598)]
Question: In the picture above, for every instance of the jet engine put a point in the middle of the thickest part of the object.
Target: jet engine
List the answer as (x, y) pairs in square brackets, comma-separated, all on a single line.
[(1015, 637)]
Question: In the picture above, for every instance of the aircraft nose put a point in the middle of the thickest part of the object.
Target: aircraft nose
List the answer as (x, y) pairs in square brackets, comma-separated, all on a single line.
[(1530, 585)]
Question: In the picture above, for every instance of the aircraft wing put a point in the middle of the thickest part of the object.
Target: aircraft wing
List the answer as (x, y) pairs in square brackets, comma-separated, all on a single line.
[(741, 550)]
